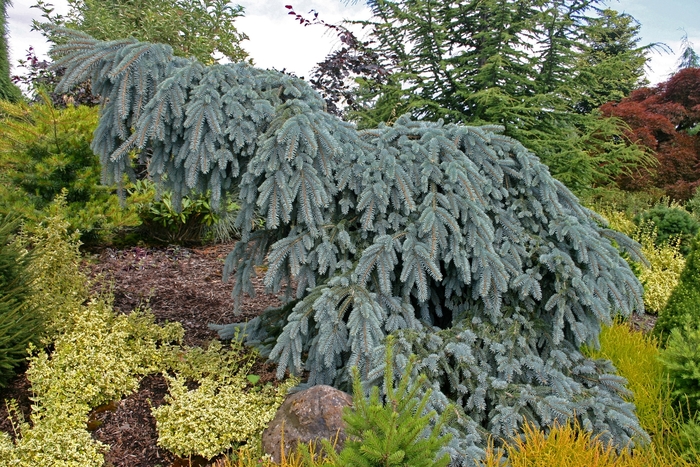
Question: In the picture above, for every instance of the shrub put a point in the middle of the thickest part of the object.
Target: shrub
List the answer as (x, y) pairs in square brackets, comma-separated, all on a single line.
[(57, 288), (394, 430), (681, 357), (191, 222), (571, 446), (687, 441), (45, 150), (19, 321), (635, 356), (225, 410), (305, 455), (693, 204), (219, 414), (662, 275), (671, 222), (684, 303), (98, 356)]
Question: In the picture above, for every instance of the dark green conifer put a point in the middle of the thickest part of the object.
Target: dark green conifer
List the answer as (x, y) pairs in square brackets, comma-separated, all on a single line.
[(455, 238), (8, 91), (19, 322), (683, 306)]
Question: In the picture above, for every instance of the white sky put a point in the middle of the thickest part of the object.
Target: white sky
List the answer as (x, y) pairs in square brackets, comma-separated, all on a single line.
[(277, 41)]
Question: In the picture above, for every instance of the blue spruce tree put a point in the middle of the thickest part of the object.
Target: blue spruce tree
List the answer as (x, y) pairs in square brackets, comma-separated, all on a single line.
[(455, 239)]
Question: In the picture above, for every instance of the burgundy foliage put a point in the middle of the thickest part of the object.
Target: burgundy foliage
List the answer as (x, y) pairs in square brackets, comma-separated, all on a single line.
[(333, 77), (665, 119), (40, 75)]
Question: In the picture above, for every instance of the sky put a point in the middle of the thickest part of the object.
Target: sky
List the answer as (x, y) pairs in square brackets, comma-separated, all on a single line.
[(277, 41)]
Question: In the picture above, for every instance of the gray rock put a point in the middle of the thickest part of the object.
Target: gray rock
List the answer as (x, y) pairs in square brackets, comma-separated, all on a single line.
[(308, 415)]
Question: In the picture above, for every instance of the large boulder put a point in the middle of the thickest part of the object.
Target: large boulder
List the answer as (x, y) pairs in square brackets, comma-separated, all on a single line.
[(308, 415)]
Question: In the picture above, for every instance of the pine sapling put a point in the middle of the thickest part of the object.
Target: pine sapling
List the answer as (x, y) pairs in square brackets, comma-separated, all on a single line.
[(394, 429)]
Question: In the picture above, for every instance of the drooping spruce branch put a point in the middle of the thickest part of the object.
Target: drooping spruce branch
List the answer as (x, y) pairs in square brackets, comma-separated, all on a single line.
[(455, 238)]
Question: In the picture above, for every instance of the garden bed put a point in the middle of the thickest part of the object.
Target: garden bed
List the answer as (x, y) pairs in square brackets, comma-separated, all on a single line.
[(176, 284)]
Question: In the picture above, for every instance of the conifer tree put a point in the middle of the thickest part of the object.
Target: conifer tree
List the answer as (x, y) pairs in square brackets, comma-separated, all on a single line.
[(8, 91), (689, 57), (531, 66), (454, 238)]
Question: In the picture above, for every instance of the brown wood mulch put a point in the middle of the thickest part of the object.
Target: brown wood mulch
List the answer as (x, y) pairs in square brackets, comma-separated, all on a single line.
[(176, 284)]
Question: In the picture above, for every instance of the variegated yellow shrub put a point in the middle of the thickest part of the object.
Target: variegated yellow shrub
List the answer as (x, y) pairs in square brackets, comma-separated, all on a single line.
[(98, 356), (662, 276), (666, 262), (216, 416), (617, 220)]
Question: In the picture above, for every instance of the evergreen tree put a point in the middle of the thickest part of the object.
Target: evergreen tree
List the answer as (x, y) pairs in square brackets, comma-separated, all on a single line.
[(455, 238), (689, 57), (531, 66), (394, 430), (8, 91), (611, 64)]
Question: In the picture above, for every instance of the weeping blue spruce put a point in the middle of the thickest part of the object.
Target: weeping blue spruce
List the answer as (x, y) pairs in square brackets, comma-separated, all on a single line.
[(455, 239)]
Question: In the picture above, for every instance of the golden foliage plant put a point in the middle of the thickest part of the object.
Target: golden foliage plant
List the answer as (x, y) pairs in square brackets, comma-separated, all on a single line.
[(666, 264), (571, 446), (305, 455), (636, 357), (44, 150), (226, 409)]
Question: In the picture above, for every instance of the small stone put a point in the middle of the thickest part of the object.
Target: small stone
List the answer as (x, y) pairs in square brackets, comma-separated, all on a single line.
[(306, 416)]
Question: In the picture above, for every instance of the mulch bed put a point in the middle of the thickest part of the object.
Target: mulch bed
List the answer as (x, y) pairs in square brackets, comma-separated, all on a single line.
[(176, 284)]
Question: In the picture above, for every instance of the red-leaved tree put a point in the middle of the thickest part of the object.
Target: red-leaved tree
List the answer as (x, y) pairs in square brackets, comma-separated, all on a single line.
[(666, 119)]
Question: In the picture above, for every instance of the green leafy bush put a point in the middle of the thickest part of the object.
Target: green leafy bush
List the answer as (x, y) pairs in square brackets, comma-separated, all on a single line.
[(192, 221), (681, 359), (693, 204), (687, 441), (684, 303), (671, 222), (19, 320)]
